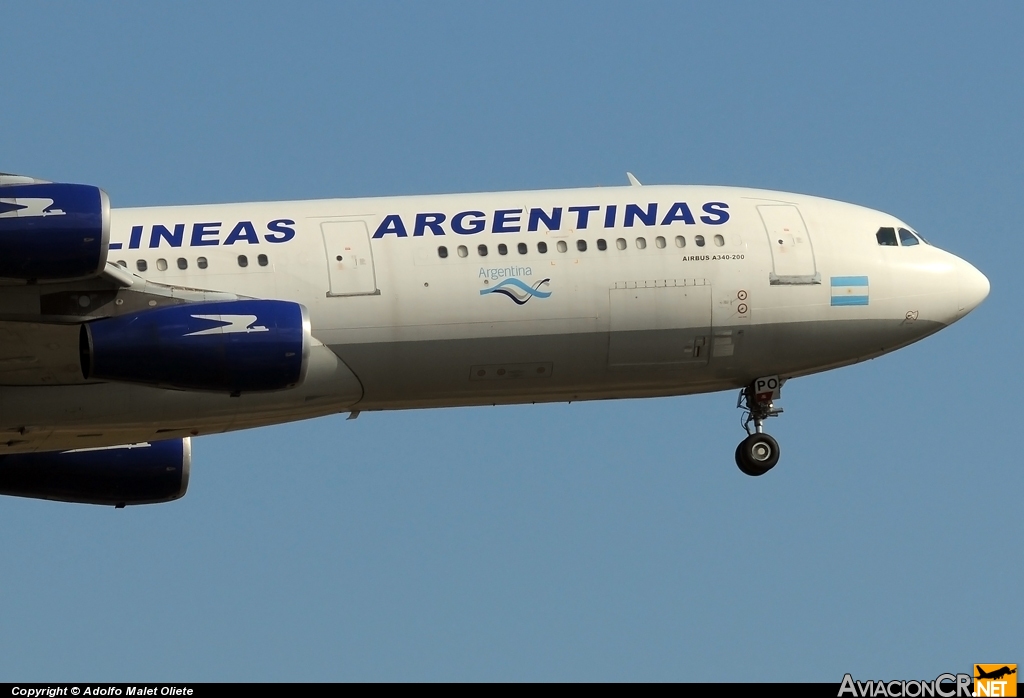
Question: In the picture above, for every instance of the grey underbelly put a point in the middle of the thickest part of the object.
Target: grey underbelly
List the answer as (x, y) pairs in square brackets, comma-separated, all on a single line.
[(598, 365)]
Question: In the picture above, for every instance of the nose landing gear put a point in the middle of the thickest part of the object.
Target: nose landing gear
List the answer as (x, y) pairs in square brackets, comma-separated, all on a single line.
[(759, 452)]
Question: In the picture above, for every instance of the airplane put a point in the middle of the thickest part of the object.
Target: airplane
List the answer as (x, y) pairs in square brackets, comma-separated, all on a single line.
[(996, 674), (126, 332)]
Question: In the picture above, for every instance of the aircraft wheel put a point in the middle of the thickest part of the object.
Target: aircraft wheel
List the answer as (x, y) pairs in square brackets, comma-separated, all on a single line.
[(757, 454)]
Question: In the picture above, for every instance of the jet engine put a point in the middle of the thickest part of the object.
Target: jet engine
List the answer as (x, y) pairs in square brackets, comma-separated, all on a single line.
[(222, 346), (53, 231), (147, 473)]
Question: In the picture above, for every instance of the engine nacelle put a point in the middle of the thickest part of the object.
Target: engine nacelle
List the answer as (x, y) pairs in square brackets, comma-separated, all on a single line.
[(224, 346), (53, 231), (135, 474)]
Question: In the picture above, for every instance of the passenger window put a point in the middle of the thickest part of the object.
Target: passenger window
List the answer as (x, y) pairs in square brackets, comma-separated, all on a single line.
[(886, 237), (641, 243), (243, 261), (581, 245), (262, 260), (542, 247), (680, 241), (659, 242), (602, 245), (182, 263), (907, 238), (463, 252), (719, 241), (122, 263), (621, 243), (161, 264), (698, 240), (523, 249), (442, 252), (202, 263), (481, 250), (141, 265), (502, 249), (562, 247)]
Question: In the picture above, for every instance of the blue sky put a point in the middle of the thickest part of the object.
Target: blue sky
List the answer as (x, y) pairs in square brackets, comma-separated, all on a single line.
[(613, 540)]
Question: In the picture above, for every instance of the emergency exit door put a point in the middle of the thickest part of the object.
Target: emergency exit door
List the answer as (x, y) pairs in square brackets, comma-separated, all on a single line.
[(349, 258), (790, 242)]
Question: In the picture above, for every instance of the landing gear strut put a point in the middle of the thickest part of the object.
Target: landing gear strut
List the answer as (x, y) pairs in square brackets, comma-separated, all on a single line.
[(759, 452)]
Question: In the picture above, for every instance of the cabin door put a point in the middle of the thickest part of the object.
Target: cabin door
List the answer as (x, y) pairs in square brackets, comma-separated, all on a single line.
[(790, 242), (349, 258)]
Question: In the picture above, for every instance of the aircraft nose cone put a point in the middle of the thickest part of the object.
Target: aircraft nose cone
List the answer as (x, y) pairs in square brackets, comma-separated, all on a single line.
[(972, 288)]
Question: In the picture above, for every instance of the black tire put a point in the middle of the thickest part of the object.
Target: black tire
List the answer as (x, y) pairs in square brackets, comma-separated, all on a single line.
[(742, 463), (757, 454)]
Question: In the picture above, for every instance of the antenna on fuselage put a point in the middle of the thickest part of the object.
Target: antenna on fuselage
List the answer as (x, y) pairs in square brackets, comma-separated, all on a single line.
[(633, 181)]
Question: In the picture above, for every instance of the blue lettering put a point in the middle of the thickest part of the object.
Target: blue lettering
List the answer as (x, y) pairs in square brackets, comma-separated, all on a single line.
[(161, 233), (201, 231), (718, 213), (475, 226), (391, 224), (428, 220), (463, 223), (609, 216), (495, 273), (283, 229), (679, 212), (582, 214), (244, 230), (552, 222), (504, 219), (115, 245), (136, 237), (648, 217)]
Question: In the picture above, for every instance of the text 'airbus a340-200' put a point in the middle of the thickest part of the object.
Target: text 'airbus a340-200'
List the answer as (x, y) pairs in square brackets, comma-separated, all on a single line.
[(125, 332)]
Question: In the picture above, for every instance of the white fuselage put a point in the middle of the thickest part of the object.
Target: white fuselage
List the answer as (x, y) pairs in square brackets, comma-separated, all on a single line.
[(497, 298)]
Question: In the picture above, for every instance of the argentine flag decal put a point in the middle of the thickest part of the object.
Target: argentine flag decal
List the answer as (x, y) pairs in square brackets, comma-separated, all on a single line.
[(849, 290)]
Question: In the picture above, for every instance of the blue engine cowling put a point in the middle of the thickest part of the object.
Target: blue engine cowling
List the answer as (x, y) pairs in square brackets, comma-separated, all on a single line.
[(53, 231), (225, 346), (147, 473)]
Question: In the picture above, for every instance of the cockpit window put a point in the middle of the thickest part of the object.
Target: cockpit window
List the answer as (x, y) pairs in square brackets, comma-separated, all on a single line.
[(887, 237), (907, 238)]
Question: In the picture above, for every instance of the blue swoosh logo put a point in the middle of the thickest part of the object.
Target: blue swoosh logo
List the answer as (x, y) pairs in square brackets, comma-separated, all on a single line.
[(519, 292)]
